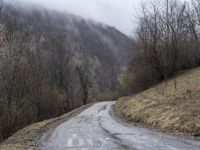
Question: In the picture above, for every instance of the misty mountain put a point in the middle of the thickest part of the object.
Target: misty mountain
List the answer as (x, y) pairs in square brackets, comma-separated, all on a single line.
[(105, 47), (52, 62)]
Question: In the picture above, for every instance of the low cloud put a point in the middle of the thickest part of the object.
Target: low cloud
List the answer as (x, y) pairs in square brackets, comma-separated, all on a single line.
[(117, 13)]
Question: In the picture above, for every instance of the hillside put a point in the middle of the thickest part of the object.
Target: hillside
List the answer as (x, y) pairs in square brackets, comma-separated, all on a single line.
[(106, 48), (52, 62), (166, 108)]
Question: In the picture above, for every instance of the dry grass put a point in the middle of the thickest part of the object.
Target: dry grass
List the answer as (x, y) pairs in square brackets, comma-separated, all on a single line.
[(12, 147), (30, 133), (167, 108), (107, 96), (26, 138)]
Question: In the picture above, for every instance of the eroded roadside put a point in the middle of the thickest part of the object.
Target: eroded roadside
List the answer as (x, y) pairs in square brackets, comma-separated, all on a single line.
[(26, 139)]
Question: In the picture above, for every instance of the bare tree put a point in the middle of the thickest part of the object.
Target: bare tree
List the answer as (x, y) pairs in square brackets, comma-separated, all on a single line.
[(164, 39), (84, 78)]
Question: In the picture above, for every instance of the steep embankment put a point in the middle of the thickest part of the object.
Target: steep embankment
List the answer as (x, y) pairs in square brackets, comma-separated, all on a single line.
[(166, 108)]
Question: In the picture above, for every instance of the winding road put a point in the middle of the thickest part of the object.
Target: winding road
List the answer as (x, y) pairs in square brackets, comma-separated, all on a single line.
[(96, 128)]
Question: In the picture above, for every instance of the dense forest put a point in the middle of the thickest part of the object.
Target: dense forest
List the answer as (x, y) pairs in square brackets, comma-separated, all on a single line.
[(52, 62)]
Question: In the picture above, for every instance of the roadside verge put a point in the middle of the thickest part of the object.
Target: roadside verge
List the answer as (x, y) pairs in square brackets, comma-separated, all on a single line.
[(166, 107), (26, 138)]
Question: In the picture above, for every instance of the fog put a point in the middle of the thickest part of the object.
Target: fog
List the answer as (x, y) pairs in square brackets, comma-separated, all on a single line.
[(117, 13)]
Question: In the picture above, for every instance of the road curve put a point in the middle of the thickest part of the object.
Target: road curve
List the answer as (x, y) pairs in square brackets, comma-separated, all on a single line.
[(96, 129)]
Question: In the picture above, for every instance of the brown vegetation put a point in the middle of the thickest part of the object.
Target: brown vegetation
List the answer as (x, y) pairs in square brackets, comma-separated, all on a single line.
[(27, 137), (52, 63), (109, 96), (166, 42), (166, 108)]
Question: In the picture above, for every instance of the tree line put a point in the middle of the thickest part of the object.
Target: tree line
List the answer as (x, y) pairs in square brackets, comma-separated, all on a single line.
[(167, 40)]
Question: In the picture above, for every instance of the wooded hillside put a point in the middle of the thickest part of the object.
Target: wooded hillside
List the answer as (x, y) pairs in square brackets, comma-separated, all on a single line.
[(53, 62)]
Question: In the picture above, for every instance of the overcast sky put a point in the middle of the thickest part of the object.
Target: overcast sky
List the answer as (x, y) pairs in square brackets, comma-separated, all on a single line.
[(117, 13)]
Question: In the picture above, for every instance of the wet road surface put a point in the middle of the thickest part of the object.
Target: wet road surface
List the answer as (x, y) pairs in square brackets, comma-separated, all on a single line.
[(97, 129)]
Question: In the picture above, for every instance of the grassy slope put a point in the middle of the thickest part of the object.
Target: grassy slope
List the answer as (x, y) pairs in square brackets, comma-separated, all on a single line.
[(29, 134), (165, 108), (26, 138)]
